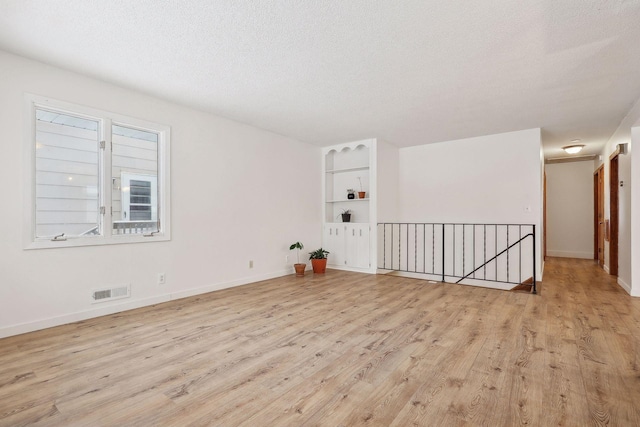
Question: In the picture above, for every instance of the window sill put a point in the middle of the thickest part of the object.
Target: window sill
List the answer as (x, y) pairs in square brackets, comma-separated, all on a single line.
[(96, 241)]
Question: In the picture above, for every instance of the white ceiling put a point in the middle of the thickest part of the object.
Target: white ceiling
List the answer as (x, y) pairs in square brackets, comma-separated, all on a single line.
[(410, 72)]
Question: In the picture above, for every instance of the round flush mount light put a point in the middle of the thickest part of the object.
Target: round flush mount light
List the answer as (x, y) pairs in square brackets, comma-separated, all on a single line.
[(574, 148)]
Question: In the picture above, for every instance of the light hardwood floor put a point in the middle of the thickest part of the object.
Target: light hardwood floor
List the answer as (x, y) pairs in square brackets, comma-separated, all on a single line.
[(341, 349)]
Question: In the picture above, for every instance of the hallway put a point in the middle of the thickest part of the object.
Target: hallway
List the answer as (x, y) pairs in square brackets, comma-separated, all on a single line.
[(592, 340)]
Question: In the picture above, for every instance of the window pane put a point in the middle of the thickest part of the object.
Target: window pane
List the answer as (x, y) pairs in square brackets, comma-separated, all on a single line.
[(135, 180), (66, 171)]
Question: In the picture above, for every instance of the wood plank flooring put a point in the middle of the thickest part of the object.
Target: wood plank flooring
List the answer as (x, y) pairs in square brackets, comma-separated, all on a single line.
[(341, 349)]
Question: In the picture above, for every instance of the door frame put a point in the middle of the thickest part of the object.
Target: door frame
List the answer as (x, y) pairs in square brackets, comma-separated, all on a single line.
[(544, 217), (598, 207), (614, 199)]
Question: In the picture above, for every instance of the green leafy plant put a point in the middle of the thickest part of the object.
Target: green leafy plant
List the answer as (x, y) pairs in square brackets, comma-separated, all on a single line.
[(344, 212), (318, 254), (298, 246)]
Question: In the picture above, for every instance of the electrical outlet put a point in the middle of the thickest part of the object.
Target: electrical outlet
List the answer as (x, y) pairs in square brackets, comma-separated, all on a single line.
[(286, 258), (162, 278), (250, 263)]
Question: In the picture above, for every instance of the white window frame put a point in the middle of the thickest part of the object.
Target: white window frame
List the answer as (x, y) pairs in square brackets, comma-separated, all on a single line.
[(106, 237), (126, 178)]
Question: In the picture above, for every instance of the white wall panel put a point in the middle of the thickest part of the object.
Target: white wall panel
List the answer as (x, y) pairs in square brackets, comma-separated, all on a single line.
[(489, 179), (238, 194), (627, 167), (570, 209)]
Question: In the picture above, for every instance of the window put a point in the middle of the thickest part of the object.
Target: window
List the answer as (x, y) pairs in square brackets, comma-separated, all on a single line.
[(95, 177), (138, 198)]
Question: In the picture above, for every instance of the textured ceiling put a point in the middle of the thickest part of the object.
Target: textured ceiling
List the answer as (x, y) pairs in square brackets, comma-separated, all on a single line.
[(410, 72)]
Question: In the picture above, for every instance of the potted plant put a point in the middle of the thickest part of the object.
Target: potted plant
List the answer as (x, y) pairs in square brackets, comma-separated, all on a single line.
[(319, 260), (298, 266), (361, 194), (346, 215)]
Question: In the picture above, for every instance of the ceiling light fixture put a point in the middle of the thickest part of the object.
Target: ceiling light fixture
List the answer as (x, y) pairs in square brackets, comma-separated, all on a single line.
[(574, 148)]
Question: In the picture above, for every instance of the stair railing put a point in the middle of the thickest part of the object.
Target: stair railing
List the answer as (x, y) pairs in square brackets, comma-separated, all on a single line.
[(475, 254)]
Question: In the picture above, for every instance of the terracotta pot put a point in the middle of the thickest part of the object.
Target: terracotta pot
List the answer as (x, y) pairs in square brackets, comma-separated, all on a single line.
[(319, 265), (362, 194), (300, 269)]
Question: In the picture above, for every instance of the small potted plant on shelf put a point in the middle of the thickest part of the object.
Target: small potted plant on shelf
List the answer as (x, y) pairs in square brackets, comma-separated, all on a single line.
[(298, 266), (361, 194), (319, 260), (346, 215), (351, 194)]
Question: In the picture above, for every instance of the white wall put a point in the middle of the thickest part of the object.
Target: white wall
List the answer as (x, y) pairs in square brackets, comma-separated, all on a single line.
[(623, 135), (387, 176), (633, 256), (487, 179), (238, 194), (570, 209)]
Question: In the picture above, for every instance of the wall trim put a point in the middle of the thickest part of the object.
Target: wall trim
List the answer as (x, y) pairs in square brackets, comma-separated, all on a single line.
[(624, 285), (23, 328), (224, 285), (437, 279), (51, 322), (570, 254)]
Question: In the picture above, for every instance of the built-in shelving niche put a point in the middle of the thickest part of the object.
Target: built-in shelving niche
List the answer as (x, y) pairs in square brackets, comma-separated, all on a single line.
[(344, 169)]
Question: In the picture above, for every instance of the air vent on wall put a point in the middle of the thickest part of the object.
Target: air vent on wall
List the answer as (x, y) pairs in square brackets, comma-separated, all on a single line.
[(108, 294)]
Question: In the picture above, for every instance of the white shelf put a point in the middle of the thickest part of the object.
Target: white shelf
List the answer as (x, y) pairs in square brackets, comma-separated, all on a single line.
[(362, 168), (348, 200), (349, 167)]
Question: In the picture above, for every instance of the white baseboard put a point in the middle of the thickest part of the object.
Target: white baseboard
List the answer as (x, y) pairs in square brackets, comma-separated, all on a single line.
[(224, 285), (624, 285), (452, 280), (354, 269), (50, 322), (605, 267), (570, 254)]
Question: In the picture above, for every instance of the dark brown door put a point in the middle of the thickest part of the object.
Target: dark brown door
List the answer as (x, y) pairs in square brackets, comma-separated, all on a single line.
[(598, 217), (544, 218), (613, 215)]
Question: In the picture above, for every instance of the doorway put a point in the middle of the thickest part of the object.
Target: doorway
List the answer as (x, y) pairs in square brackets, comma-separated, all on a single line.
[(598, 215), (544, 218), (613, 214)]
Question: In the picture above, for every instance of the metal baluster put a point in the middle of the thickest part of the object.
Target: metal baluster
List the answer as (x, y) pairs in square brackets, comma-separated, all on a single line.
[(384, 245), (433, 249), (520, 253), (424, 248), (407, 247), (464, 252), (474, 250), (485, 250), (508, 254), (534, 258), (399, 239), (454, 251), (443, 253), (391, 252), (495, 246), (415, 247)]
